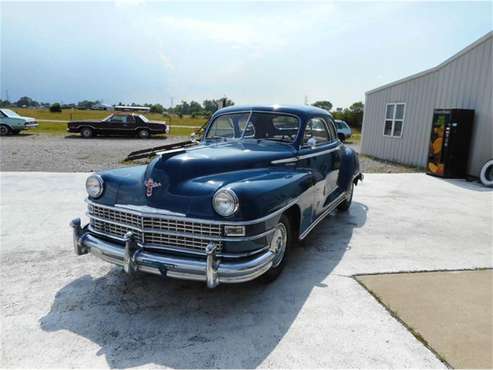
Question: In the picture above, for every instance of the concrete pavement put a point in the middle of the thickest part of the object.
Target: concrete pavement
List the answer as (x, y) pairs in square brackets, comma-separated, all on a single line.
[(59, 310)]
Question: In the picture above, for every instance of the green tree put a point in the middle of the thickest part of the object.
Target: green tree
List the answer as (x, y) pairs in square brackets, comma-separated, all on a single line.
[(324, 104), (26, 101), (157, 108), (55, 108)]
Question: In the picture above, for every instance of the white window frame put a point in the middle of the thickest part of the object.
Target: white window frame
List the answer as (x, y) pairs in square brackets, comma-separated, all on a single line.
[(393, 119)]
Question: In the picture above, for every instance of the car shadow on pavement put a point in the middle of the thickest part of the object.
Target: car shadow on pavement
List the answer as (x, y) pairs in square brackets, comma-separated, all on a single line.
[(148, 320)]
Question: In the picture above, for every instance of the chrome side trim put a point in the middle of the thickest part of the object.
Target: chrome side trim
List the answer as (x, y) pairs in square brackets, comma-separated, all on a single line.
[(285, 160), (298, 158), (327, 210), (319, 153), (201, 220)]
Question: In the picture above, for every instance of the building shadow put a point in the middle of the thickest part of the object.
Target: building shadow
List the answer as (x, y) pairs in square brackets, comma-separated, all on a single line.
[(149, 320)]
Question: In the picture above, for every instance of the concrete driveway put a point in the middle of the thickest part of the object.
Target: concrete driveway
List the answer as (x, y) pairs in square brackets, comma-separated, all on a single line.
[(59, 310)]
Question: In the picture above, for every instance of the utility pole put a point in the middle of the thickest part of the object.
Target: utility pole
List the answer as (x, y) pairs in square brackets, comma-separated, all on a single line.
[(306, 100), (7, 94), (171, 102)]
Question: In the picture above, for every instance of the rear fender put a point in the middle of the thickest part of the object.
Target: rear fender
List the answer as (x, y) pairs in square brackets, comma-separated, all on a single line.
[(349, 170)]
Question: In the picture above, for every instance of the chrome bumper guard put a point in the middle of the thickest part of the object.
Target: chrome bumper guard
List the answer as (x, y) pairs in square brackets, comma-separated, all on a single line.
[(134, 258)]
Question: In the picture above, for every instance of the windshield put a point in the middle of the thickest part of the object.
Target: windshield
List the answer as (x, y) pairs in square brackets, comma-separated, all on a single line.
[(143, 118), (10, 113), (255, 125), (108, 118)]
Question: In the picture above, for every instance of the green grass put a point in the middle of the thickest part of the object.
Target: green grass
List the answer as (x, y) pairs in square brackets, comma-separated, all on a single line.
[(55, 128), (78, 114)]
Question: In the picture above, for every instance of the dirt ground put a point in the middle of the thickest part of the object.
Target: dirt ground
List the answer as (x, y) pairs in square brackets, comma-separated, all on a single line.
[(451, 312), (56, 153)]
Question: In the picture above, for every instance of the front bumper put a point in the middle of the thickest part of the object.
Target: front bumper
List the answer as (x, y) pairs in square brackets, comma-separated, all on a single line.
[(133, 258), (33, 124)]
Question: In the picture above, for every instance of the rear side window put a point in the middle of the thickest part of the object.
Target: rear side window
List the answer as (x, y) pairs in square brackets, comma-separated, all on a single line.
[(319, 131)]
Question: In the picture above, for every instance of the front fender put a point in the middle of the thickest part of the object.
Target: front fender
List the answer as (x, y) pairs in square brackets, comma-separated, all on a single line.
[(260, 191)]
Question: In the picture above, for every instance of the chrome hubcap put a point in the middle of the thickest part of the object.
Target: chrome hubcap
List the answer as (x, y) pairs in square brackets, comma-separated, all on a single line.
[(278, 244)]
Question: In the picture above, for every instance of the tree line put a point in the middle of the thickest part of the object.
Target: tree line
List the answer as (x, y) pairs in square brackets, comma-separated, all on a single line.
[(352, 115)]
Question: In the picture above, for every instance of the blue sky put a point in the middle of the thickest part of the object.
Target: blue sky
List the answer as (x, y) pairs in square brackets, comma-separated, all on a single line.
[(252, 52)]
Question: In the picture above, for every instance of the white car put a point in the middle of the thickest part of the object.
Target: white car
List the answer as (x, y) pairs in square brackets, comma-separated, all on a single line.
[(343, 130), (12, 123)]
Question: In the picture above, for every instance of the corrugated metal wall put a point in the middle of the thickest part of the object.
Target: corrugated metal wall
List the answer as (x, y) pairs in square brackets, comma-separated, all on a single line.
[(465, 82)]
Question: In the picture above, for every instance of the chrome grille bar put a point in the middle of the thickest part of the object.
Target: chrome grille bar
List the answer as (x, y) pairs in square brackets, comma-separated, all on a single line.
[(156, 231)]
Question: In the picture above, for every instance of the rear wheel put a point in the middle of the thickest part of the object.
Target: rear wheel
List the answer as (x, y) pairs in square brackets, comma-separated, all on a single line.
[(143, 133), (4, 130), (344, 206), (282, 238), (86, 132), (341, 137)]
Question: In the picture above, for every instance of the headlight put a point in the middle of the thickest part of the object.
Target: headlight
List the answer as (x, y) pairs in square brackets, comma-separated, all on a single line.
[(94, 186), (225, 202)]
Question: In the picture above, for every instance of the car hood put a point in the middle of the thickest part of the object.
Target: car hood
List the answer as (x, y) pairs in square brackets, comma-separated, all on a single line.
[(184, 181), (217, 158), (28, 119)]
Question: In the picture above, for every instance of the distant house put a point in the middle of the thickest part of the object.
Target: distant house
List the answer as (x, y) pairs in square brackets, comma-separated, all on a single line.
[(398, 116), (101, 106), (130, 108)]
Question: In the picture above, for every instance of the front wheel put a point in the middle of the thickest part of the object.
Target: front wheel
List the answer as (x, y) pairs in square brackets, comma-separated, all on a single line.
[(342, 137), (344, 206), (4, 130), (86, 132), (282, 238)]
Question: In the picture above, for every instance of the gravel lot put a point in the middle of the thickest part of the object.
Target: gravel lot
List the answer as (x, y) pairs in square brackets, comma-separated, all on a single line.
[(71, 153), (53, 153)]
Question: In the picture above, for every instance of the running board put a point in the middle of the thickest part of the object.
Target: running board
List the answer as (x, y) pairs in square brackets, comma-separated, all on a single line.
[(333, 205)]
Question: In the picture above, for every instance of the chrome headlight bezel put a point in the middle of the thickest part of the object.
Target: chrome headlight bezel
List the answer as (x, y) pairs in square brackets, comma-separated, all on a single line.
[(94, 190), (225, 194)]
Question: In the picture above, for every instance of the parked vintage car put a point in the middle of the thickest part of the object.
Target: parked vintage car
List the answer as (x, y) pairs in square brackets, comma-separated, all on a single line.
[(343, 130), (229, 209), (119, 124), (12, 123)]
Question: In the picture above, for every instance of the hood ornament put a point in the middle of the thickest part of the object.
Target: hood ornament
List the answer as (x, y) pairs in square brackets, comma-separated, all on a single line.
[(150, 184)]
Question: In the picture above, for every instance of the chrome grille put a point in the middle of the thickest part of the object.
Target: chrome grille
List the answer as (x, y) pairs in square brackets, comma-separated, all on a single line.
[(182, 226), (116, 216), (154, 232), (172, 241), (112, 229)]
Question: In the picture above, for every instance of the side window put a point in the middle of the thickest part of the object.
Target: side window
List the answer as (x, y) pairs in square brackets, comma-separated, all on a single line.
[(315, 132), (131, 119), (122, 119), (222, 127), (332, 130)]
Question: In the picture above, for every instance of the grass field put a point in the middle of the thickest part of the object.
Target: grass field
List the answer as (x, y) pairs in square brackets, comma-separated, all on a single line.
[(59, 128)]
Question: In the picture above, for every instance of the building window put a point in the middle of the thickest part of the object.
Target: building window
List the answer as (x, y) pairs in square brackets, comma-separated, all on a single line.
[(394, 119)]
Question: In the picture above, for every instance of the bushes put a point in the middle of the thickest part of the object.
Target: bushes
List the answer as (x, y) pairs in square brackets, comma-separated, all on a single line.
[(55, 108)]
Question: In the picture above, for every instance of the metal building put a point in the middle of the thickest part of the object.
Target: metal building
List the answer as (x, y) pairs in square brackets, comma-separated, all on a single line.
[(398, 116)]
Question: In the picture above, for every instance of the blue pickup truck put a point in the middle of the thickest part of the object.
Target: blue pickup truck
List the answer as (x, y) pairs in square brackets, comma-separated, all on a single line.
[(229, 209)]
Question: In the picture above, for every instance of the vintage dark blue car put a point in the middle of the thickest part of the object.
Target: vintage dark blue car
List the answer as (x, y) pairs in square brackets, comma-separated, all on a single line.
[(228, 209)]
